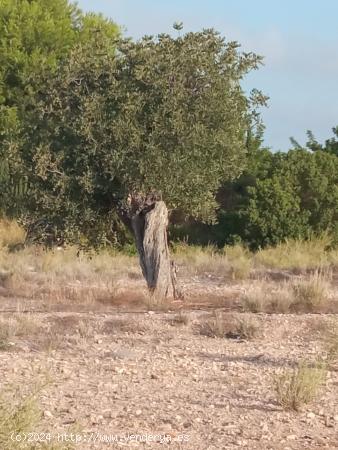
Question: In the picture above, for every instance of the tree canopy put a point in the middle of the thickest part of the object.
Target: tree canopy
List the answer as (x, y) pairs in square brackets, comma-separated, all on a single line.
[(162, 116), (35, 36)]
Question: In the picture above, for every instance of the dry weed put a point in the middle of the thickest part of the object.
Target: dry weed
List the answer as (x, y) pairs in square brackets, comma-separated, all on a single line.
[(239, 260), (299, 386), (197, 260), (18, 325), (179, 319), (228, 326), (312, 292), (11, 234), (297, 254)]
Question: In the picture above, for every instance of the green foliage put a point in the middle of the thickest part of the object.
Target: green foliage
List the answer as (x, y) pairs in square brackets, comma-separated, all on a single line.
[(162, 115), (279, 196), (36, 35), (330, 146), (299, 197)]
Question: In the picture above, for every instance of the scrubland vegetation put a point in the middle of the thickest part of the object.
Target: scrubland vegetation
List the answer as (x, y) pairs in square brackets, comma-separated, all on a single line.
[(225, 326)]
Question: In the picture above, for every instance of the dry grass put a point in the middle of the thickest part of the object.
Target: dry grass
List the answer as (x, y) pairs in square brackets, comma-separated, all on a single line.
[(296, 254), (63, 276), (198, 260), (263, 296), (234, 262), (156, 303), (245, 327), (228, 326), (11, 234), (18, 325), (256, 298), (306, 294), (312, 293), (240, 261), (66, 279), (281, 299), (299, 386), (19, 415), (179, 319), (329, 338)]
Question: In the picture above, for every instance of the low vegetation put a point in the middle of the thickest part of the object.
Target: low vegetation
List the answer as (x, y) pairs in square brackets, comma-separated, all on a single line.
[(17, 325), (20, 414), (228, 326), (11, 234), (299, 386), (312, 293), (308, 293)]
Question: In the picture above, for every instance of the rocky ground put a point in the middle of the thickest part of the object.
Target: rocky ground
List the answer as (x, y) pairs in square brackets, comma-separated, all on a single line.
[(117, 370)]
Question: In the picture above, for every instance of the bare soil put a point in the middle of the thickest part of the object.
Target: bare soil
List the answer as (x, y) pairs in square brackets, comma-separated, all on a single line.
[(116, 369)]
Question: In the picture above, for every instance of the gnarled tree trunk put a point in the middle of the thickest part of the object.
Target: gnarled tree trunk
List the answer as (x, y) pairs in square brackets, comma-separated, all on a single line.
[(149, 225)]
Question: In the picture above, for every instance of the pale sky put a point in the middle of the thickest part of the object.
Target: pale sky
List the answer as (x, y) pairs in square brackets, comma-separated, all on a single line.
[(298, 38)]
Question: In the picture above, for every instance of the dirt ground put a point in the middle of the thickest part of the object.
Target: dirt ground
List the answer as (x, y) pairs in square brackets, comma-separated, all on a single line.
[(116, 372)]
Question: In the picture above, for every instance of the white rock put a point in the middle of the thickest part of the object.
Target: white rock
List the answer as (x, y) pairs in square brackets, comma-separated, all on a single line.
[(48, 414)]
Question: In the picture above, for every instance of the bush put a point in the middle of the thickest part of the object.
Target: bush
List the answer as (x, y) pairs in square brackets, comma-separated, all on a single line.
[(312, 293), (222, 326), (299, 386)]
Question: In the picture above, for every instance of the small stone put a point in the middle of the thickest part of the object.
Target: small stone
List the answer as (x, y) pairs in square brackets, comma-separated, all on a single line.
[(138, 412), (310, 415), (48, 414), (335, 418)]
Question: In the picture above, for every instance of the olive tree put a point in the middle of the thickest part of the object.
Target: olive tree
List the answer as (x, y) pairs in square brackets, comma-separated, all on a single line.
[(156, 125)]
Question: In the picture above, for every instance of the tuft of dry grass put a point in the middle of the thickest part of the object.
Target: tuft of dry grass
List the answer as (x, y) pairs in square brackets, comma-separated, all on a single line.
[(18, 325), (11, 234), (297, 254), (20, 414), (20, 417), (281, 299), (312, 292), (228, 326), (197, 260), (179, 319), (154, 302), (256, 298), (240, 261), (245, 327), (299, 386), (307, 293), (235, 261), (329, 338)]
